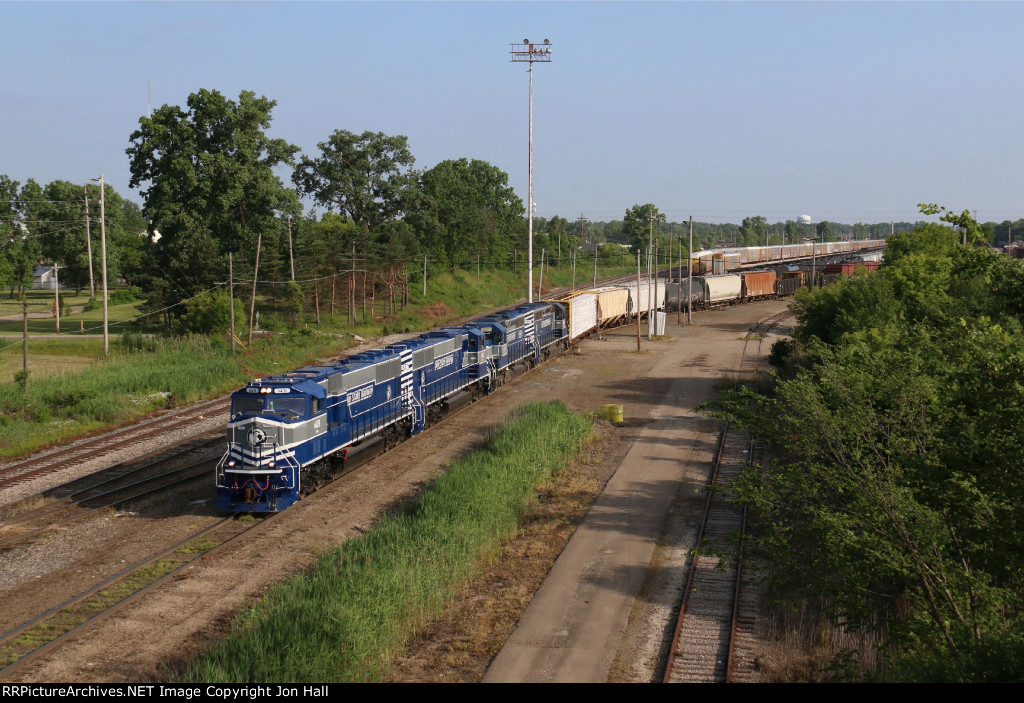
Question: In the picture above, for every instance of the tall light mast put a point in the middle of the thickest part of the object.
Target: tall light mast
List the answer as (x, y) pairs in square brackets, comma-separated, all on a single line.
[(529, 52)]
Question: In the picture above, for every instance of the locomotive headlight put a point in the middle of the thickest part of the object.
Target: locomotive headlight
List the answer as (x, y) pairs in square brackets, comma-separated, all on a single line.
[(231, 462), (270, 464)]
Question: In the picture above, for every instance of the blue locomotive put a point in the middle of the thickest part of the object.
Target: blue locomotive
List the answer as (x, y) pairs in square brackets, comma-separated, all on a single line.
[(290, 433)]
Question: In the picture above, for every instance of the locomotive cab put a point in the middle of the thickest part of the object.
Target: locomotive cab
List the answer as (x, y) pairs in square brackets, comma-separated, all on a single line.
[(496, 340), (275, 428)]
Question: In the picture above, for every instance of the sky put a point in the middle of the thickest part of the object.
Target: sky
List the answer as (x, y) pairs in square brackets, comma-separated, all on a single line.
[(845, 111)]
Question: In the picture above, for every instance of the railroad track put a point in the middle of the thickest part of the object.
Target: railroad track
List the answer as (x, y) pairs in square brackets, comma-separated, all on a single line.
[(21, 644), (713, 640), (19, 472), (33, 522)]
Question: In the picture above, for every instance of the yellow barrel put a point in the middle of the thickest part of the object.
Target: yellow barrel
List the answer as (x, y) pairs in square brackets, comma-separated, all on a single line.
[(615, 413), (606, 411)]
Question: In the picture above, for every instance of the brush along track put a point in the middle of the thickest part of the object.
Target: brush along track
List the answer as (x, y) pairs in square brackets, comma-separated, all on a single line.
[(31, 638), (714, 634), (13, 474)]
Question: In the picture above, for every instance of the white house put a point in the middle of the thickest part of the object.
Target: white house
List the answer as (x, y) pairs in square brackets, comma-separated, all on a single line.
[(43, 279)]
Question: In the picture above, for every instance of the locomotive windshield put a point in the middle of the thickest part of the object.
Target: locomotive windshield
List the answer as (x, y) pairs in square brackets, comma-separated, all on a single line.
[(293, 404), (240, 405)]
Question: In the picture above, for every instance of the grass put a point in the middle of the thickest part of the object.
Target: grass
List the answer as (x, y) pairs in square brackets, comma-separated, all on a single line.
[(346, 617), (91, 321), (131, 384), (64, 346)]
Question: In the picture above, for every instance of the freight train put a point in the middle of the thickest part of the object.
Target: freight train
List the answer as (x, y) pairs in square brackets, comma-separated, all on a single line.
[(724, 260), (291, 433)]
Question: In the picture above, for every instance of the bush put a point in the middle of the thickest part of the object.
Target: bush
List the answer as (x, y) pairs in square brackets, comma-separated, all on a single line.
[(135, 342), (781, 351), (210, 312), (124, 295), (272, 322)]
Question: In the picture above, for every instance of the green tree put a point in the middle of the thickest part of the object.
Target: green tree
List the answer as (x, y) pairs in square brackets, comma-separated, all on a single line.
[(895, 489), (791, 232), (969, 227), (362, 176), (24, 247), (753, 231), (637, 224), (824, 230), (11, 235), (207, 178), (466, 207), (62, 232), (210, 311), (558, 235)]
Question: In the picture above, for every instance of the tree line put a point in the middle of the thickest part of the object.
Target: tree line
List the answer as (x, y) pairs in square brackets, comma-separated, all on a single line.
[(896, 489), (215, 185), (52, 223)]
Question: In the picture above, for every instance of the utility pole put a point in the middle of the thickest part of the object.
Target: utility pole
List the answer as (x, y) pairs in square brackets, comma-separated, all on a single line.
[(291, 254), (668, 276), (255, 274), (352, 286), (814, 256), (352, 271), (56, 295), (24, 340), (88, 244), (231, 300), (424, 271), (689, 282), (103, 256), (540, 283), (527, 52), (650, 252), (638, 302), (595, 266), (25, 305), (679, 283)]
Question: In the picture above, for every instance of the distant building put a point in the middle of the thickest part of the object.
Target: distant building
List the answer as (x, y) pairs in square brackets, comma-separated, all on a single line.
[(43, 278)]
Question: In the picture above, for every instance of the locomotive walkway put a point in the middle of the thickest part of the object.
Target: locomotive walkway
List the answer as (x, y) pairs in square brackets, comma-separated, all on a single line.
[(574, 626)]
